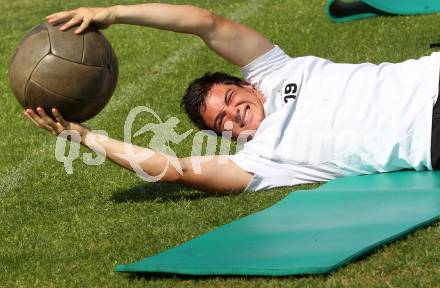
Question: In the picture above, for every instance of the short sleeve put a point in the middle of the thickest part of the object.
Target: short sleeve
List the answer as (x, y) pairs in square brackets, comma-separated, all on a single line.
[(264, 65), (266, 174)]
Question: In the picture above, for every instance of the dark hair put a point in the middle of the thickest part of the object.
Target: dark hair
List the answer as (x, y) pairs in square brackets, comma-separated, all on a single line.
[(195, 95)]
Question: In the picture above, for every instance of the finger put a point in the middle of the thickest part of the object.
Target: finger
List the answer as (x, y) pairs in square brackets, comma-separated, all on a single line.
[(45, 117), (59, 128), (58, 116), (72, 22), (63, 15), (30, 118), (60, 17), (57, 14), (35, 116), (40, 122), (85, 23), (48, 121)]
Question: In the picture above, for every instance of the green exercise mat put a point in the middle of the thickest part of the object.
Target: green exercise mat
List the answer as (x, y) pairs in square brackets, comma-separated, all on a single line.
[(309, 232), (348, 10)]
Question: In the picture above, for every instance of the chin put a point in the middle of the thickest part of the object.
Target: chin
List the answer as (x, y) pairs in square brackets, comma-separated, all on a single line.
[(257, 123)]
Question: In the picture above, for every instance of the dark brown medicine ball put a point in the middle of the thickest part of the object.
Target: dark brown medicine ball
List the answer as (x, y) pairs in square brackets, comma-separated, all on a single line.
[(75, 73)]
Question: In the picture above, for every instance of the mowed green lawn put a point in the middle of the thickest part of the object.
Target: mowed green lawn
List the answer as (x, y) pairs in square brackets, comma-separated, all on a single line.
[(59, 230)]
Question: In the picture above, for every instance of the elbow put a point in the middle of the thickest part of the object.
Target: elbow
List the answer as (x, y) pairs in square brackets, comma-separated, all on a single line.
[(208, 22), (209, 18), (175, 175), (174, 178)]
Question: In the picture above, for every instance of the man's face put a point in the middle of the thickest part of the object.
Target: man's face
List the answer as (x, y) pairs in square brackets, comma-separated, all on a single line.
[(228, 103)]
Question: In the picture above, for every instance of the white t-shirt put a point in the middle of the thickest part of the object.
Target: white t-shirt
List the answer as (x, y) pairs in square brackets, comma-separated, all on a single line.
[(326, 120)]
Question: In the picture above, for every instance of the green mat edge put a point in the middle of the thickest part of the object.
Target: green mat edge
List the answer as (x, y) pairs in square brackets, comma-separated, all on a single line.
[(348, 18), (133, 268), (376, 5)]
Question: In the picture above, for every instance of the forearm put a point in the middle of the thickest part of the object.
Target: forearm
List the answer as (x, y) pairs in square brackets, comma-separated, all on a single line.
[(178, 18), (232, 41), (209, 174), (154, 165)]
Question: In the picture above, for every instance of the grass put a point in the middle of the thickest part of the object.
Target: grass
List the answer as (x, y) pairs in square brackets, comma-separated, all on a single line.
[(61, 230)]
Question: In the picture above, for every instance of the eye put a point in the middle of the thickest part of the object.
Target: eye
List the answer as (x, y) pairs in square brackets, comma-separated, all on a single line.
[(230, 97)]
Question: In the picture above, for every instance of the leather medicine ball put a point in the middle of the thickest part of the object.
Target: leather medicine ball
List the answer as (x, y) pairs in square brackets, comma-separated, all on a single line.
[(75, 73)]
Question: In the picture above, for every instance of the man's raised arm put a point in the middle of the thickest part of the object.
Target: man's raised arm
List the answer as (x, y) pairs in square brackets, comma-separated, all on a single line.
[(234, 42)]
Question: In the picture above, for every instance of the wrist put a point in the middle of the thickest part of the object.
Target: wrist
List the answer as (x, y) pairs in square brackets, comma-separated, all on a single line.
[(114, 12)]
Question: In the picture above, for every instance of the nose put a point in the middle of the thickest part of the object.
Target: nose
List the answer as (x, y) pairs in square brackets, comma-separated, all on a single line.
[(233, 113)]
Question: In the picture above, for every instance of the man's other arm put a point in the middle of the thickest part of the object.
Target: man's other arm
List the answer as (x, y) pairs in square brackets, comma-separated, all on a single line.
[(207, 173), (212, 174), (234, 42)]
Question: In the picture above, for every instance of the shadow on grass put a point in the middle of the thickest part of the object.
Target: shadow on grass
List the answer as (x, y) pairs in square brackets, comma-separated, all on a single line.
[(159, 193), (164, 276)]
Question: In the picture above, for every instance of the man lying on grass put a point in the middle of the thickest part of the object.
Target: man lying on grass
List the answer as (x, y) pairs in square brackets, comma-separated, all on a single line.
[(314, 120)]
